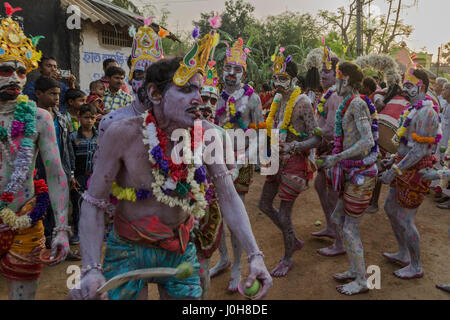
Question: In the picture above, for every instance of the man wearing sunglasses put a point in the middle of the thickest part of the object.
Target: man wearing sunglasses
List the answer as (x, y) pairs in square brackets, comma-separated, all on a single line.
[(239, 107)]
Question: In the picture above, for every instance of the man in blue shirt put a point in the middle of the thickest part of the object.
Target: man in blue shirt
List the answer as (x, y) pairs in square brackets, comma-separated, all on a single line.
[(48, 67)]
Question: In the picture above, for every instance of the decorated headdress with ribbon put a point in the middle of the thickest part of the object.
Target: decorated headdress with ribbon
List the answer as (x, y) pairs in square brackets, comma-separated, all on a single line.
[(211, 80), (409, 74), (237, 55), (196, 59), (279, 62), (326, 56), (14, 45), (147, 47)]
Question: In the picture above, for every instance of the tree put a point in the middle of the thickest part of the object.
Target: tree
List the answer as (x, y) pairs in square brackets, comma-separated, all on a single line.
[(237, 15), (379, 32), (126, 4)]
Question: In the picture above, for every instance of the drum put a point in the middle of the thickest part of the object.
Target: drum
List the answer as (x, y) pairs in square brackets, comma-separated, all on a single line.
[(388, 122)]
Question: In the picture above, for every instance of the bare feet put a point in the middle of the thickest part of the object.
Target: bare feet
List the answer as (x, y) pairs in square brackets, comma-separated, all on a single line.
[(444, 287), (324, 233), (331, 251), (344, 276), (372, 209), (352, 288), (282, 269), (234, 281), (409, 272), (219, 268), (401, 259)]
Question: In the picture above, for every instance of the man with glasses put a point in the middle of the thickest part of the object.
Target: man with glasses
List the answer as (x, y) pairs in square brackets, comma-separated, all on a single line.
[(239, 107)]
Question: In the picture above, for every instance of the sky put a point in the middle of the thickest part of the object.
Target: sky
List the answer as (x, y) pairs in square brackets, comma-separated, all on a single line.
[(430, 18)]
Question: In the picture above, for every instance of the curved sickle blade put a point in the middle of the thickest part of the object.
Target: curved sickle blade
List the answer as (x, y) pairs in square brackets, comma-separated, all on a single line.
[(136, 275)]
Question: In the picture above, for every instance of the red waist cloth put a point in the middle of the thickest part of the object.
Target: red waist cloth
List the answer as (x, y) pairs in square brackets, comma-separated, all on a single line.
[(299, 165), (152, 232)]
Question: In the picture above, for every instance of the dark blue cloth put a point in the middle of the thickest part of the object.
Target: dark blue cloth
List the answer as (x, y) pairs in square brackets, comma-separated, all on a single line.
[(30, 88)]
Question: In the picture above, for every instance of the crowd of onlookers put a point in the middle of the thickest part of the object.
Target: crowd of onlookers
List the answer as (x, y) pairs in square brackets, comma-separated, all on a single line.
[(76, 117)]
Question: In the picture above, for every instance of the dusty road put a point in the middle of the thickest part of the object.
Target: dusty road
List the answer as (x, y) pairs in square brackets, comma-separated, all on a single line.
[(310, 278)]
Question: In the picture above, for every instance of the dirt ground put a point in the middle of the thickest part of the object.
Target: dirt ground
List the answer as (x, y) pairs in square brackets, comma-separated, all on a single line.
[(311, 276)]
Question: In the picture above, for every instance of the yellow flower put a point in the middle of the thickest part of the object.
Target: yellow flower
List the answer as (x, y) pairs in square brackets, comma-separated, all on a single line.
[(22, 98)]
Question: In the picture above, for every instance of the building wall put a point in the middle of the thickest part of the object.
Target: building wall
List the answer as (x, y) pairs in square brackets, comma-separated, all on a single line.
[(93, 53)]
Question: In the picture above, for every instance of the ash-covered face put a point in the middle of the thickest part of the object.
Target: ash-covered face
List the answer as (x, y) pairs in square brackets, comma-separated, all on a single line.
[(209, 103), (343, 88), (233, 75), (282, 83), (13, 76), (181, 104), (327, 77), (411, 91)]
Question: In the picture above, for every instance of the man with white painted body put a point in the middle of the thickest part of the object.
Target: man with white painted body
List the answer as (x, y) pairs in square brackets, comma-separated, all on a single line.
[(292, 113), (27, 130), (173, 105), (353, 171), (239, 107), (417, 136), (326, 111)]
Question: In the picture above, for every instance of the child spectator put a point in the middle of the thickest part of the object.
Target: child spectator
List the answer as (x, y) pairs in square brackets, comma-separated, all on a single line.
[(47, 91), (75, 98), (84, 143), (95, 98), (115, 97)]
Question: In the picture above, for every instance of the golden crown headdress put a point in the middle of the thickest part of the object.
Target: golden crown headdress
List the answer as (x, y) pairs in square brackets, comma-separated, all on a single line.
[(196, 59), (237, 55), (409, 74), (279, 62), (14, 45), (211, 80), (326, 55), (147, 46)]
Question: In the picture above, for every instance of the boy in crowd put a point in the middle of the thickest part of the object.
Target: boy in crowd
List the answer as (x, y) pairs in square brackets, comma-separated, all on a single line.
[(48, 67), (47, 91), (84, 143), (75, 98), (115, 97)]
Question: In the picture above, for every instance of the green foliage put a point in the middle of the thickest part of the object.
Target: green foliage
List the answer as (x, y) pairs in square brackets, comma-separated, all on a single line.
[(126, 4)]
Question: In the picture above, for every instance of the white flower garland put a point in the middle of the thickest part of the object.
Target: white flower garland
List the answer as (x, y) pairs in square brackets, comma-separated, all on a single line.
[(197, 209)]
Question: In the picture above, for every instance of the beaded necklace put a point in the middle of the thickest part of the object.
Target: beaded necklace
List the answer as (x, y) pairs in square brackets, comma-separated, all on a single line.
[(23, 129), (230, 106), (339, 133)]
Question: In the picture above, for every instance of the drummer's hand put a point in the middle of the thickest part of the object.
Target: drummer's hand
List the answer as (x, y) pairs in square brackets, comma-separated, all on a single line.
[(388, 176), (329, 162), (88, 287), (259, 271)]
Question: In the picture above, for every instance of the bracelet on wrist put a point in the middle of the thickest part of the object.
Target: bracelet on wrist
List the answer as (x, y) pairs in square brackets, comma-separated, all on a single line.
[(397, 169), (64, 227), (252, 255), (88, 268)]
